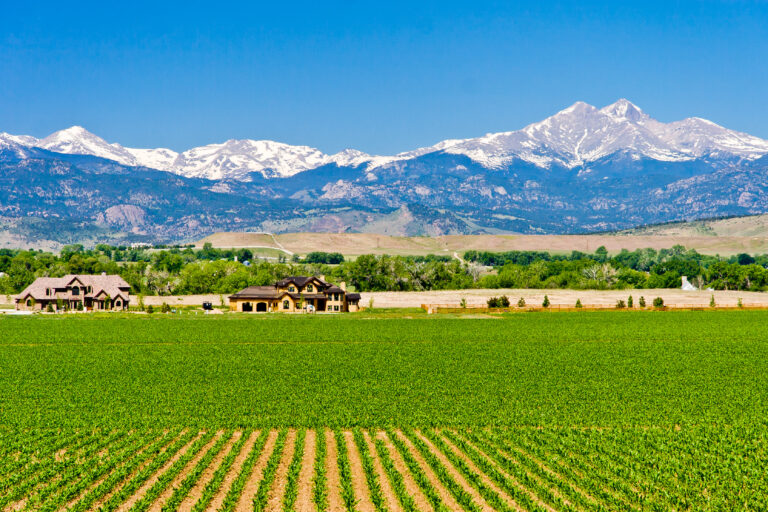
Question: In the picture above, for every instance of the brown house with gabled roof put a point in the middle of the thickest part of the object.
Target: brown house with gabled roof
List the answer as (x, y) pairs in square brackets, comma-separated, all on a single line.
[(92, 292), (296, 293)]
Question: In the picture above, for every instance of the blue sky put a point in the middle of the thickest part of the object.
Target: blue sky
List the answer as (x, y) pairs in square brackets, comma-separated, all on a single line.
[(380, 77)]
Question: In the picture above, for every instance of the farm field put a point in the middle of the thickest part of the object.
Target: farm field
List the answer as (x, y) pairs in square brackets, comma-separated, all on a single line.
[(725, 237), (389, 411), (699, 468)]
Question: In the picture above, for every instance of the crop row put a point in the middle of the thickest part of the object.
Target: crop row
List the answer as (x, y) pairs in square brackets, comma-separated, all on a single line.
[(536, 469)]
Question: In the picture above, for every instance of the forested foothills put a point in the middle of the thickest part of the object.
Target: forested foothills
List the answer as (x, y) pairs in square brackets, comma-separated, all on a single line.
[(185, 270)]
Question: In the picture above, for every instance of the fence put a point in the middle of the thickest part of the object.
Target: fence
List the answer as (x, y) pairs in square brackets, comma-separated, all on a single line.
[(457, 309)]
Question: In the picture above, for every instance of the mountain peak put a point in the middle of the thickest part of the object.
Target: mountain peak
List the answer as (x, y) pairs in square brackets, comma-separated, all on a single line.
[(624, 109), (579, 107)]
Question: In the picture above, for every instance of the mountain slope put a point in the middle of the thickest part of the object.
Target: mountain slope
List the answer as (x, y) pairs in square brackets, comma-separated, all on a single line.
[(583, 169)]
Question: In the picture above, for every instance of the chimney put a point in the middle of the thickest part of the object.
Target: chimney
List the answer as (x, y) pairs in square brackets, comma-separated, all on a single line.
[(321, 277), (343, 285)]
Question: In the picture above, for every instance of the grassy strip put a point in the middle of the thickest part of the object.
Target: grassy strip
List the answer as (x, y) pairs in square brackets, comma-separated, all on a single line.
[(474, 479), (320, 485), (180, 492), (418, 474), (458, 492), (370, 471), (233, 495), (521, 497), (260, 500), (527, 479), (394, 476), (135, 483), (213, 486), (292, 479), (116, 477), (345, 472)]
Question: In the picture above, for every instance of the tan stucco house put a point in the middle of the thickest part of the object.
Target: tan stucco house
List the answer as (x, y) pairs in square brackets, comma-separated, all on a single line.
[(297, 293), (92, 292)]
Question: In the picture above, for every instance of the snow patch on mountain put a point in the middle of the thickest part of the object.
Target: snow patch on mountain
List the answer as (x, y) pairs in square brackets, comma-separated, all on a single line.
[(572, 138)]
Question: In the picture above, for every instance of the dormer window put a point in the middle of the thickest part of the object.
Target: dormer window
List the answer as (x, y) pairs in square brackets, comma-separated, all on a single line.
[(310, 288), (291, 288), (75, 290)]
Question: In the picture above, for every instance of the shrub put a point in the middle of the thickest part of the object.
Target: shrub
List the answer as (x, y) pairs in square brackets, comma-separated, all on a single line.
[(60, 304), (504, 301), (578, 303), (165, 308), (658, 302), (79, 306), (641, 302), (630, 302), (493, 302), (150, 309), (49, 308), (620, 304), (546, 302), (521, 303), (712, 302), (463, 303), (141, 303), (739, 303)]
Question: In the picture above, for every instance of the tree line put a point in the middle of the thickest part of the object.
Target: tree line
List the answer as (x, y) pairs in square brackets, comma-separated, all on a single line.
[(180, 270)]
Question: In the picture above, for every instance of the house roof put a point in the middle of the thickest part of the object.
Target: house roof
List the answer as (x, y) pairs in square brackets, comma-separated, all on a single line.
[(353, 296), (112, 285), (300, 281), (257, 292), (334, 289)]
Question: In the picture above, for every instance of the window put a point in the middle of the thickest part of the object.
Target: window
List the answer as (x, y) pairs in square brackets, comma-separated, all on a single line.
[(117, 303), (336, 307), (29, 303), (330, 308), (310, 288), (75, 290), (335, 296), (286, 304), (291, 288)]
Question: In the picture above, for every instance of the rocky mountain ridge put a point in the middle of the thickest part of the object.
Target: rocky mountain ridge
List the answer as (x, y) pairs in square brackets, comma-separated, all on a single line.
[(582, 170)]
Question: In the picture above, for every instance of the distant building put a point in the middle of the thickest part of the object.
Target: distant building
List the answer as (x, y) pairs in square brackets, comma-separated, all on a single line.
[(92, 292), (687, 286), (297, 293)]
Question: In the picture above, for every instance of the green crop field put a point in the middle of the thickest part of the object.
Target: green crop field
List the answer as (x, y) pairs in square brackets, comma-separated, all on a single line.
[(528, 411)]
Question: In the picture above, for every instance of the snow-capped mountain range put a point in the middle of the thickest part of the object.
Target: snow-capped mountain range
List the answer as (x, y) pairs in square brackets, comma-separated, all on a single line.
[(573, 138)]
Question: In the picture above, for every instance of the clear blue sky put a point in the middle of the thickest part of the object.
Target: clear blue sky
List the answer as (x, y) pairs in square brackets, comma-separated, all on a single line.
[(381, 77)]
